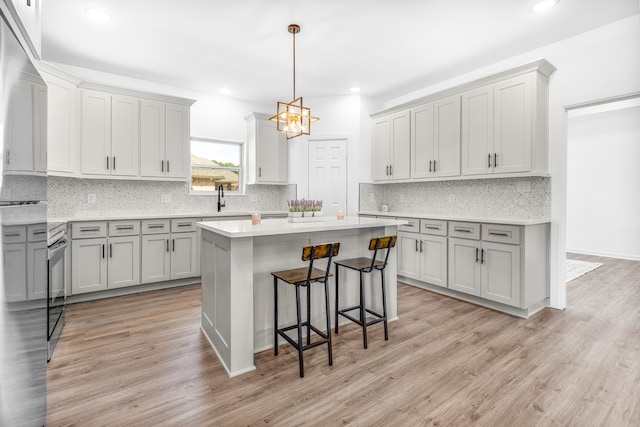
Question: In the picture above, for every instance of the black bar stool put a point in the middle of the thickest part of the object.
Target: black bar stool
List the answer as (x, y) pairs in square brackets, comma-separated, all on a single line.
[(367, 265), (305, 277)]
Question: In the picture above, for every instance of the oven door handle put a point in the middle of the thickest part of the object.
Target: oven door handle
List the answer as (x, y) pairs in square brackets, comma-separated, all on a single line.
[(57, 250)]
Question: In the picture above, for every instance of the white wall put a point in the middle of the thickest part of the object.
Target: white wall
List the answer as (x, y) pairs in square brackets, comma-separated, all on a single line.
[(603, 181), (599, 64)]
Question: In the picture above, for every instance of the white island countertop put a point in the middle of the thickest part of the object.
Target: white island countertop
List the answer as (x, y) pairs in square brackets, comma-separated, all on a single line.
[(272, 227)]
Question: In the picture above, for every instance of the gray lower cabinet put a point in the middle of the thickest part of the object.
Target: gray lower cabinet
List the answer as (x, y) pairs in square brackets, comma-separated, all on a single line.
[(422, 251), (104, 257), (169, 249)]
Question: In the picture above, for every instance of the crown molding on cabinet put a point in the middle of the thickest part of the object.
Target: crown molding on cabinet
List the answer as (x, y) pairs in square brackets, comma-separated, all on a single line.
[(540, 65)]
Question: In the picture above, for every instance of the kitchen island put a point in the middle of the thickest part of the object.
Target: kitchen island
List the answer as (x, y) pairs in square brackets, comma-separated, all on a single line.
[(237, 287)]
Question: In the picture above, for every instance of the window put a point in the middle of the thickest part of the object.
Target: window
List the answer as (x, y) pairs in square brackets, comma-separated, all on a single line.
[(215, 162)]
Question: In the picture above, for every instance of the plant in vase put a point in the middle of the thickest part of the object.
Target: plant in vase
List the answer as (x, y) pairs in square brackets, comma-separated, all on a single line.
[(304, 208), (295, 208)]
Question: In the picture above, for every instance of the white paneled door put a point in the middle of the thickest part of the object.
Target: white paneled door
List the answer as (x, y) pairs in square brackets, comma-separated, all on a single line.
[(328, 174)]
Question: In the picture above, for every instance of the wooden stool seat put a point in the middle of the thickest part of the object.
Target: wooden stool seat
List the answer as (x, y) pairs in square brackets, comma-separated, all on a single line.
[(299, 275), (305, 277), (366, 265), (359, 263)]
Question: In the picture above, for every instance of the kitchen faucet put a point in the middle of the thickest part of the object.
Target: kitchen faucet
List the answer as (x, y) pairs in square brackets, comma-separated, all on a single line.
[(220, 196)]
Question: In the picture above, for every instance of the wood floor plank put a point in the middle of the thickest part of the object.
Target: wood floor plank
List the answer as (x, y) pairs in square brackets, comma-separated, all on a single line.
[(142, 360)]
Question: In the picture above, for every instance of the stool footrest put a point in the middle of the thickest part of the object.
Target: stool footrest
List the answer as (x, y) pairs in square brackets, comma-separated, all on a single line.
[(324, 337), (379, 317)]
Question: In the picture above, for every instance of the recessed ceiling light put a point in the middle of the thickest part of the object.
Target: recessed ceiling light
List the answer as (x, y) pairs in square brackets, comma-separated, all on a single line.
[(543, 6), (225, 91), (355, 89), (97, 14)]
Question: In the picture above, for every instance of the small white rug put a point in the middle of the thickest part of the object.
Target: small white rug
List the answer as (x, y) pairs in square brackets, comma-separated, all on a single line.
[(577, 268)]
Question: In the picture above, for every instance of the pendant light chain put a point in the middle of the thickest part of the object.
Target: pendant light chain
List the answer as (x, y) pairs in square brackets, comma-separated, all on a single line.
[(294, 63)]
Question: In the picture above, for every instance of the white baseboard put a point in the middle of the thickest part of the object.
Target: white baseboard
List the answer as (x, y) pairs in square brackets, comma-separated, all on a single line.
[(630, 257)]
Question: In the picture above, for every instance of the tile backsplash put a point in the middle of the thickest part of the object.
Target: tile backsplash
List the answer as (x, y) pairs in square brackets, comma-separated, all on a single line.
[(518, 198), (68, 198)]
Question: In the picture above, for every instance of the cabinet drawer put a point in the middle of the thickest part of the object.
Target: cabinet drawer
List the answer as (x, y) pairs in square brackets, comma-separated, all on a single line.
[(501, 233), (37, 232), (464, 230), (124, 228), (433, 226), (155, 226), (183, 225), (87, 230), (14, 234), (412, 227)]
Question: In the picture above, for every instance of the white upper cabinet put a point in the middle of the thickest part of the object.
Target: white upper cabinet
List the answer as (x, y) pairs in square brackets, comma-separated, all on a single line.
[(109, 134), (266, 151), (391, 147), (498, 124), (435, 139), (495, 126), (164, 140)]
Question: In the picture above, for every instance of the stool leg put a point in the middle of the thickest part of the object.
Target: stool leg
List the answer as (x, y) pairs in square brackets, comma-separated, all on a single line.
[(308, 314), (300, 342), (275, 315), (363, 314), (337, 292), (326, 300), (384, 306)]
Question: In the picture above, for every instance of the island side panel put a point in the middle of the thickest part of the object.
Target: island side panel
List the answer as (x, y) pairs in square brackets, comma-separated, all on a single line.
[(227, 319)]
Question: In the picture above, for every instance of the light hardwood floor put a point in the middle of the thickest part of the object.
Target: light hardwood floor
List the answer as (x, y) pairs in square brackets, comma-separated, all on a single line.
[(142, 361)]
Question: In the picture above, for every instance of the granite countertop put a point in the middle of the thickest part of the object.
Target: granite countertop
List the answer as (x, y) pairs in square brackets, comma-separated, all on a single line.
[(273, 227), (116, 217), (511, 221)]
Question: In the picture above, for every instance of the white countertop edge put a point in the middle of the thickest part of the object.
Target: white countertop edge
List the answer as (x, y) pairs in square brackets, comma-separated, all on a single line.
[(161, 216), (510, 221), (272, 227)]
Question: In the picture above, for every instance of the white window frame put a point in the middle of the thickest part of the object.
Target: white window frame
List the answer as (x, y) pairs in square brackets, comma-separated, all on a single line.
[(242, 182)]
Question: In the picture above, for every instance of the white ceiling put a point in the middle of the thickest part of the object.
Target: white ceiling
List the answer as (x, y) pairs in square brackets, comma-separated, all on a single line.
[(386, 47)]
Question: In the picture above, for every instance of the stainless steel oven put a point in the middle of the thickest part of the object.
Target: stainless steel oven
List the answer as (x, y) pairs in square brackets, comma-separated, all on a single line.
[(57, 248)]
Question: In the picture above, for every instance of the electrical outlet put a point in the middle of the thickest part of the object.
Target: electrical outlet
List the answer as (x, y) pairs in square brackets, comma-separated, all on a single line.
[(165, 198), (524, 186), (91, 198)]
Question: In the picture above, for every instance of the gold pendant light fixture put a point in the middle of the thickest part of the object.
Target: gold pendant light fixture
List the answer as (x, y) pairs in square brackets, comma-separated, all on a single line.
[(293, 118)]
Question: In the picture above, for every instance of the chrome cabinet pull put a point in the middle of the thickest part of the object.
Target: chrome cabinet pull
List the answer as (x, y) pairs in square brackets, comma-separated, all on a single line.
[(493, 233)]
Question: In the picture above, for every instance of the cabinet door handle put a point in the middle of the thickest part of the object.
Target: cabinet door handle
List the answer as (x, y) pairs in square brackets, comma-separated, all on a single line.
[(107, 162), (89, 229), (185, 224), (102, 251), (110, 250), (259, 172), (434, 165), (387, 170), (416, 245), (477, 250), (482, 256), (420, 246), (8, 157), (462, 230), (429, 165), (161, 165), (124, 227), (168, 167), (390, 169), (495, 160), (167, 245), (489, 160), (114, 162), (173, 243)]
